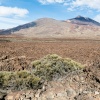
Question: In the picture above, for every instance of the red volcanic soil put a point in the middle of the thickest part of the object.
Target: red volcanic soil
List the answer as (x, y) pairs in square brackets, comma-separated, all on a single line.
[(18, 53)]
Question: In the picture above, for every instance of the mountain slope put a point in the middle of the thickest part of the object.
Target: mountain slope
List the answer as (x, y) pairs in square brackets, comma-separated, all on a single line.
[(84, 21), (79, 27), (12, 30)]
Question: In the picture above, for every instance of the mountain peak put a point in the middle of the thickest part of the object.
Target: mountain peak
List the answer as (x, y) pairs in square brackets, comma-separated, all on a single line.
[(84, 21), (82, 18), (79, 16), (52, 28)]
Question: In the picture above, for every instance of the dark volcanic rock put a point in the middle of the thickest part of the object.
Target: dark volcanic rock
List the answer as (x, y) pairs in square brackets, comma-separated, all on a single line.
[(84, 21)]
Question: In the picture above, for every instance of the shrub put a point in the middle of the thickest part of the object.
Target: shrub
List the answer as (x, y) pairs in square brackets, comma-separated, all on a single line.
[(4, 78), (23, 74), (45, 69), (53, 65), (34, 82), (18, 80)]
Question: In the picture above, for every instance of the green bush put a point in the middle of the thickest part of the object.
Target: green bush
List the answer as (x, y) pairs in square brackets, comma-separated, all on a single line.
[(45, 69), (18, 80), (23, 74), (34, 82), (4, 78), (53, 65)]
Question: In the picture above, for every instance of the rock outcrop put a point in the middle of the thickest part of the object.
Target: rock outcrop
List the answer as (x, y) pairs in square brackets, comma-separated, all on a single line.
[(71, 87)]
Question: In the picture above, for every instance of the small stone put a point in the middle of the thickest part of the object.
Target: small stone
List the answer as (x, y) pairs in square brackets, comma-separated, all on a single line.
[(82, 79), (85, 92), (71, 92), (96, 93), (62, 94), (76, 78), (10, 98), (50, 95)]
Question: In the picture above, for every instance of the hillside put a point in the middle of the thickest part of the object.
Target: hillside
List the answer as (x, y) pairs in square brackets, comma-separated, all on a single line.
[(80, 20), (79, 27)]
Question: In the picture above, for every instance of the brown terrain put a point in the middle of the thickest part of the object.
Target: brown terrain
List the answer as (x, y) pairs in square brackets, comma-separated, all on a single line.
[(78, 27), (77, 39), (33, 49), (18, 53)]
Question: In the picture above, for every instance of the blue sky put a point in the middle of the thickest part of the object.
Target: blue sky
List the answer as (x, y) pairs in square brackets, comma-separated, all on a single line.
[(17, 12)]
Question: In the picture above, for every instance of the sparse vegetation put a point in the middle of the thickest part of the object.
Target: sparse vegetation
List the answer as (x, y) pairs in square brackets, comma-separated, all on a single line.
[(53, 65), (18, 80), (47, 68), (16, 72), (11, 52)]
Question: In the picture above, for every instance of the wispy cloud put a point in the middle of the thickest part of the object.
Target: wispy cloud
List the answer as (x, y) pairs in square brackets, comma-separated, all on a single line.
[(12, 16), (10, 22), (88, 5), (80, 5), (12, 11), (51, 1), (92, 4), (4, 25)]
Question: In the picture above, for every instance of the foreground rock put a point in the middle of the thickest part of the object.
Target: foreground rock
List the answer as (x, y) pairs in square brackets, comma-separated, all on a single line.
[(55, 78), (14, 63), (72, 87)]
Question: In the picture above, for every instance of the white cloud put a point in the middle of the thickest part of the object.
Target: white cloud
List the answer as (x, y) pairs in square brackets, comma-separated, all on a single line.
[(12, 16), (13, 11), (50, 1), (93, 4), (97, 18)]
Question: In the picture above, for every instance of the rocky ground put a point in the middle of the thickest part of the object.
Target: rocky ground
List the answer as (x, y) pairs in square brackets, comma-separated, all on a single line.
[(76, 85), (17, 55), (72, 87)]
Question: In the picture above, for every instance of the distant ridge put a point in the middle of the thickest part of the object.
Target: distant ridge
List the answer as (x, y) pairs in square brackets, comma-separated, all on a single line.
[(12, 30), (84, 20), (78, 27)]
